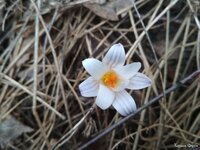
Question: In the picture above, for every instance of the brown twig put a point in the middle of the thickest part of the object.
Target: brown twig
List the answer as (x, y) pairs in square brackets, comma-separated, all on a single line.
[(152, 101)]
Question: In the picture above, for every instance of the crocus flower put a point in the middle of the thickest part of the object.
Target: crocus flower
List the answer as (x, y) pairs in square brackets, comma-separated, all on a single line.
[(110, 78)]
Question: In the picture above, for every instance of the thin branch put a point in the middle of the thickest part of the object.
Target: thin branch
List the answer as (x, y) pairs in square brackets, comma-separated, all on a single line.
[(152, 101)]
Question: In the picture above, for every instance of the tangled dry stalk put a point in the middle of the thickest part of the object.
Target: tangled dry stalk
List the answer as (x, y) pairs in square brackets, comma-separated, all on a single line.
[(43, 44)]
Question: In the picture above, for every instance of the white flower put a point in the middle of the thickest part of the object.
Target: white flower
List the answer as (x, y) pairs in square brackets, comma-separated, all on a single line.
[(110, 78)]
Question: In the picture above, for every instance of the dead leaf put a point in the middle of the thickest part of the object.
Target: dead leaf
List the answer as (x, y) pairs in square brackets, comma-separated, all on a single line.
[(119, 6), (10, 129), (102, 11), (159, 47), (160, 50), (110, 10)]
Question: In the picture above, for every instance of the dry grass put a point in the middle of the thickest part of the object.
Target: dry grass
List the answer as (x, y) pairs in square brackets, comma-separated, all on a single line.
[(40, 70)]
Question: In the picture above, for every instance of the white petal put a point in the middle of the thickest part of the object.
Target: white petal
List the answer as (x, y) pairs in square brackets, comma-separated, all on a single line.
[(128, 71), (115, 56), (105, 97), (89, 87), (124, 103), (122, 85), (139, 81), (94, 67)]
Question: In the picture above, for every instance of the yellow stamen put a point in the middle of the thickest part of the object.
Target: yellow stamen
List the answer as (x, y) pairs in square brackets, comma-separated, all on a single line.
[(110, 79)]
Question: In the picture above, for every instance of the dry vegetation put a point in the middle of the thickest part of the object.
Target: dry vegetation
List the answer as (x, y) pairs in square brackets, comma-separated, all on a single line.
[(40, 70)]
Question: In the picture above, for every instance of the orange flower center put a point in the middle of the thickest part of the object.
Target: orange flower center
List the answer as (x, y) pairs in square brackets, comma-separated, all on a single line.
[(110, 79)]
